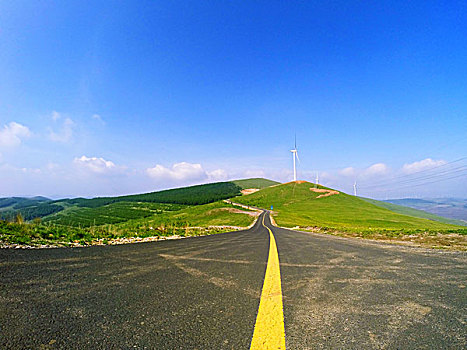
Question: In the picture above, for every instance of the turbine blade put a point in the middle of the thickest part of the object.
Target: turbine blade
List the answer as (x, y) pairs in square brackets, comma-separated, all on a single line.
[(295, 141), (296, 154)]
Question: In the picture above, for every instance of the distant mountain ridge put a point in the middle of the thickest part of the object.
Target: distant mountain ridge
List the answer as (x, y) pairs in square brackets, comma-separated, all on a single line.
[(455, 208)]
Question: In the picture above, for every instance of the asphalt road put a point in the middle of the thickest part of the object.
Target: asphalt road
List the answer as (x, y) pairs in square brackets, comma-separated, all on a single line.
[(203, 293)]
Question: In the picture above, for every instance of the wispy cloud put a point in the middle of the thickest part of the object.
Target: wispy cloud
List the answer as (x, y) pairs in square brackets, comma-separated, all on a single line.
[(218, 175), (178, 172), (349, 171), (185, 173), (376, 169), (424, 164), (55, 116), (65, 132), (95, 164), (98, 118)]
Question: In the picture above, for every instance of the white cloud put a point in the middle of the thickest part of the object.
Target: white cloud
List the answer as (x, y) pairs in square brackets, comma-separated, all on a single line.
[(217, 175), (12, 133), (55, 116), (94, 164), (255, 173), (349, 171), (421, 165), (98, 118), (179, 172), (66, 131), (52, 166), (376, 169)]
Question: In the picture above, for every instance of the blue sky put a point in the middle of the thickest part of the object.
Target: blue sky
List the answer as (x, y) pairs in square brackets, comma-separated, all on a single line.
[(107, 98)]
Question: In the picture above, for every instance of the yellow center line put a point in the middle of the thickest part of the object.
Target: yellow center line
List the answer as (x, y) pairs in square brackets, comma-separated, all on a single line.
[(269, 328)]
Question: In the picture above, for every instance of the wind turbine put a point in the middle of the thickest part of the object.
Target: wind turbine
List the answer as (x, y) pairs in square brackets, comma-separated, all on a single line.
[(355, 188), (295, 155)]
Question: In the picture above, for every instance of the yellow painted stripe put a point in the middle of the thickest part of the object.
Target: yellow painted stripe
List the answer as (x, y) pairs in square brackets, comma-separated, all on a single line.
[(269, 328)]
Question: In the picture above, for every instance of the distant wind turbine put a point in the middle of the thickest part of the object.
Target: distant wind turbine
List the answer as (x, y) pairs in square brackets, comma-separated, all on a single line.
[(355, 188), (295, 155)]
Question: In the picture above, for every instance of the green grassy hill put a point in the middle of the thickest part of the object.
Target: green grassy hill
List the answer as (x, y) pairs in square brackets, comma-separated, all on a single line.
[(296, 205)]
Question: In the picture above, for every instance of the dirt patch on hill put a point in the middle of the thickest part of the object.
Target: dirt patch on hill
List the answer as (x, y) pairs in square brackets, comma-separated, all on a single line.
[(291, 182), (325, 193), (247, 191)]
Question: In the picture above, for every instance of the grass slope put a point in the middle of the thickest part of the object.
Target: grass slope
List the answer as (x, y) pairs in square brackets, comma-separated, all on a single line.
[(296, 205), (414, 212)]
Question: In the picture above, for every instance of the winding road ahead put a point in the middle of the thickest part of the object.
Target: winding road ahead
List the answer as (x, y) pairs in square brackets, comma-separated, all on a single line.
[(205, 292)]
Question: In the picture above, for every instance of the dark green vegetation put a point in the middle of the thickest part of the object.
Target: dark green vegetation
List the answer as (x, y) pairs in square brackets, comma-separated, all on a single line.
[(29, 208), (20, 202), (296, 205), (255, 183), (193, 195), (110, 214)]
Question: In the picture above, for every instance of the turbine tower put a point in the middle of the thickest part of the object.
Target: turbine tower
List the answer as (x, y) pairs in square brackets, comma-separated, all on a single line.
[(295, 155)]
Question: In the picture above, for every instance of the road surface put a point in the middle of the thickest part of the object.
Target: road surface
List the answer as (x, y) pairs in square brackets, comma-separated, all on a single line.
[(204, 293)]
